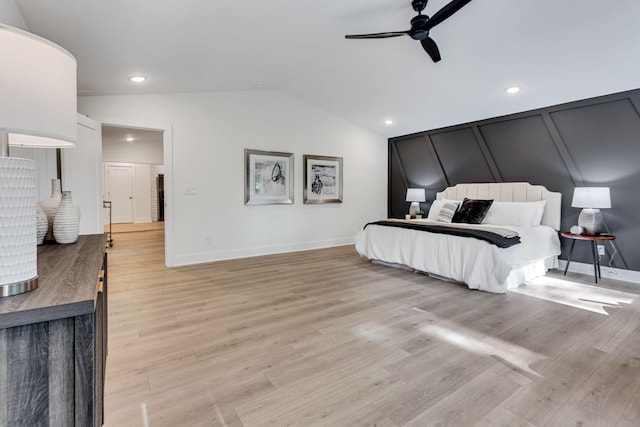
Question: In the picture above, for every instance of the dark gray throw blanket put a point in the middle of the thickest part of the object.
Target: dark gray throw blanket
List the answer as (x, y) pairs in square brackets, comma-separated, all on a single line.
[(501, 238)]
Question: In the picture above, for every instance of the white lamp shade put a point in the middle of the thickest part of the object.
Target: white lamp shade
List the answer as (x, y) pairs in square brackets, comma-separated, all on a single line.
[(38, 108), (591, 197), (38, 94), (30, 141), (416, 195)]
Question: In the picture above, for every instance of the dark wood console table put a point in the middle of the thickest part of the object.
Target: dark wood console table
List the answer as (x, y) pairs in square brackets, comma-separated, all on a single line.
[(53, 340)]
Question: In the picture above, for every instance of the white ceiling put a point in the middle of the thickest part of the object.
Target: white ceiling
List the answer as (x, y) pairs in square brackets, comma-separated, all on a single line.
[(557, 50)]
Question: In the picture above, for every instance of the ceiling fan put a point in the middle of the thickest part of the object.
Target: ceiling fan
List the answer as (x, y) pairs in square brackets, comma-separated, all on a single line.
[(420, 26)]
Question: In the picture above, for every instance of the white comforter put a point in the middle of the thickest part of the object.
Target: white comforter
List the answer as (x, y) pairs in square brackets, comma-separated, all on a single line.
[(478, 264)]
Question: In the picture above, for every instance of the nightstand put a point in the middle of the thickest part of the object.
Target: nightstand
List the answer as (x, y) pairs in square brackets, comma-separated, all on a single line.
[(594, 249)]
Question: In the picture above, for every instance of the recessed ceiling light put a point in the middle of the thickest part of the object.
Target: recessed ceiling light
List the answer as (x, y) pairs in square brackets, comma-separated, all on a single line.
[(388, 122), (137, 79), (129, 139), (513, 89)]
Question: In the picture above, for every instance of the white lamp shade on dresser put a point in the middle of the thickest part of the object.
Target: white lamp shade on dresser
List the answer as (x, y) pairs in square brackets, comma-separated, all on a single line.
[(38, 95), (38, 108)]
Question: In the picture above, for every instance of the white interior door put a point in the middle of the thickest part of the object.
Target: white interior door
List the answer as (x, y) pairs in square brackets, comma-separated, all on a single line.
[(81, 174), (120, 185)]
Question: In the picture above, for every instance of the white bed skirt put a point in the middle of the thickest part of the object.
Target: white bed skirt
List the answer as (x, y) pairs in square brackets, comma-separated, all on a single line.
[(476, 263), (525, 273), (516, 278)]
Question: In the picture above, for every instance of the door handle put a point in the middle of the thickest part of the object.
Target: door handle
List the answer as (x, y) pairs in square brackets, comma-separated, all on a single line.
[(130, 197)]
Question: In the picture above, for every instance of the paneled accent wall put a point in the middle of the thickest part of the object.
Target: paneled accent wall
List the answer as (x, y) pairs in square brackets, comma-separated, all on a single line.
[(593, 142)]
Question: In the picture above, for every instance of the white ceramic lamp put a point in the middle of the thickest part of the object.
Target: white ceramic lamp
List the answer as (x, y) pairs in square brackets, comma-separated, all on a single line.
[(38, 108), (415, 196), (591, 199)]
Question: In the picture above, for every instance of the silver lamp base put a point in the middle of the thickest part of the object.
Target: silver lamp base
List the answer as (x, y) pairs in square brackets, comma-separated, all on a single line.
[(11, 289), (591, 221)]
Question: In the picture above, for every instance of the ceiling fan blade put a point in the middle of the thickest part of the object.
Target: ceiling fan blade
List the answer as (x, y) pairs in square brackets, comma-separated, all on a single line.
[(431, 48), (378, 35), (444, 13)]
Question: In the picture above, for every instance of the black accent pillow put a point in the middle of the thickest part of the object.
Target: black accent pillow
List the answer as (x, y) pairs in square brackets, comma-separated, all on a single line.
[(472, 211)]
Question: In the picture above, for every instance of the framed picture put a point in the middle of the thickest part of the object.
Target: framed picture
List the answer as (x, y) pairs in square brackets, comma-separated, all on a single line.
[(268, 178), (322, 179)]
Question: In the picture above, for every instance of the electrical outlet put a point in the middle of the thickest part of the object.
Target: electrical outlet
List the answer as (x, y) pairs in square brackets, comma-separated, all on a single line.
[(208, 240), (601, 251)]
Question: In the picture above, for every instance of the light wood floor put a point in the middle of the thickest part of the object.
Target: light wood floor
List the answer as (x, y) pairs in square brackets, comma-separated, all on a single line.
[(325, 338)]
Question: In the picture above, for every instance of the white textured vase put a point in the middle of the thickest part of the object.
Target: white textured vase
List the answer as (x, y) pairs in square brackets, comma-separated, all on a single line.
[(42, 223), (17, 220), (50, 206), (66, 224)]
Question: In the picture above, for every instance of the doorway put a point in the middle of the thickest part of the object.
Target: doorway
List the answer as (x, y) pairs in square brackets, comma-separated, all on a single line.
[(133, 177)]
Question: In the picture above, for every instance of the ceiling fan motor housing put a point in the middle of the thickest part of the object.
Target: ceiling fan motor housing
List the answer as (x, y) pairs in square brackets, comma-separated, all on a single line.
[(418, 30)]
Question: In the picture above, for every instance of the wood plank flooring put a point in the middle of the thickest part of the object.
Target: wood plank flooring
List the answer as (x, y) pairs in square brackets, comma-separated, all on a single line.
[(325, 338)]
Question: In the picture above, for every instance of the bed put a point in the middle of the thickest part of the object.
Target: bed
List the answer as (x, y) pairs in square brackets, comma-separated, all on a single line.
[(531, 214)]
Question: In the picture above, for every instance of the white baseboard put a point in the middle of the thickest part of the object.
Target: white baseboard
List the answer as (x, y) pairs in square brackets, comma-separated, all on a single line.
[(608, 272), (181, 260)]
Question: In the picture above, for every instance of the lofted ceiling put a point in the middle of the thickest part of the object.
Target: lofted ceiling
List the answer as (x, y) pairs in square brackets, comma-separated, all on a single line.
[(557, 51)]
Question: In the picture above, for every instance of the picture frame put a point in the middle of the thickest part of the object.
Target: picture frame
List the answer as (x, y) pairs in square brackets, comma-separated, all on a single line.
[(268, 178), (322, 179)]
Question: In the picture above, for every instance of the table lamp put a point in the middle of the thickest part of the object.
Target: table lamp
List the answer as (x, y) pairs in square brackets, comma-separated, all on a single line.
[(415, 196), (591, 199), (38, 108)]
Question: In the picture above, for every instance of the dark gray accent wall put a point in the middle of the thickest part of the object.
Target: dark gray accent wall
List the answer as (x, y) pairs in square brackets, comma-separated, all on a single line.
[(593, 142)]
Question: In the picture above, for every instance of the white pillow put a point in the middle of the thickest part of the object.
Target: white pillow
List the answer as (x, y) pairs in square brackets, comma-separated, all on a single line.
[(437, 205), (447, 211), (518, 214)]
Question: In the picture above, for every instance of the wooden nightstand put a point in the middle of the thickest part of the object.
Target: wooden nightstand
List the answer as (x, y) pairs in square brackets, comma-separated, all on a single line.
[(594, 249)]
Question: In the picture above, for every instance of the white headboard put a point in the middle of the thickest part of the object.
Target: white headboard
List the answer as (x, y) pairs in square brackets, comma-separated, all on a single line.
[(510, 192)]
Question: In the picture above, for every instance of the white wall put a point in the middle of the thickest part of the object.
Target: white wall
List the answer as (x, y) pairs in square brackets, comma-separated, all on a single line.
[(10, 15), (142, 199), (143, 152), (210, 133)]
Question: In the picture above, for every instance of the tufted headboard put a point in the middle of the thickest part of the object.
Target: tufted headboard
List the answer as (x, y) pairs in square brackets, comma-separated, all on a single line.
[(510, 192)]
